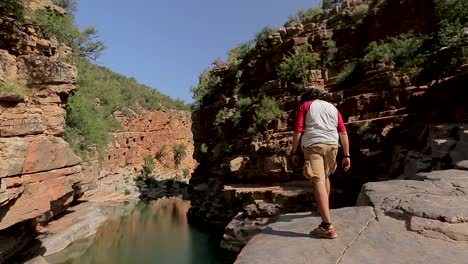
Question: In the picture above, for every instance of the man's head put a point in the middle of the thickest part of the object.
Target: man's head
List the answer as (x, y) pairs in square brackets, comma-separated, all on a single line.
[(312, 94)]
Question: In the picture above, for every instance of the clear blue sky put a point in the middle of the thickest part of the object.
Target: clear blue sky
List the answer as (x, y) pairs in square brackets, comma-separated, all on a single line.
[(166, 44)]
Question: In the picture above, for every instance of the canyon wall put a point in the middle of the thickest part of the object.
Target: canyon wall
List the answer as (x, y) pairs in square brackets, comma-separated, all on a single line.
[(40, 175), (398, 125), (153, 134), (38, 170)]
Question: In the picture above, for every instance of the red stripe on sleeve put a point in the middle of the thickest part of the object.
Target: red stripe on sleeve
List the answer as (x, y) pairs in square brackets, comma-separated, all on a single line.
[(300, 116), (341, 125)]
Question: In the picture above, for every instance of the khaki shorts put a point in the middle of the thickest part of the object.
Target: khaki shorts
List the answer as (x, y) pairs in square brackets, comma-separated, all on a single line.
[(319, 161)]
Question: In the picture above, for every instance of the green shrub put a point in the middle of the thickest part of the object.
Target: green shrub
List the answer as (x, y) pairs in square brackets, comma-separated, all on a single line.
[(13, 87), (221, 117), (186, 172), (262, 35), (83, 43), (145, 179), (453, 27), (148, 166), (292, 19), (238, 54), (359, 12), (304, 14), (296, 67), (204, 148), (242, 106), (161, 153), (127, 192), (87, 125), (267, 111), (401, 50), (327, 4), (206, 86), (14, 7), (179, 153)]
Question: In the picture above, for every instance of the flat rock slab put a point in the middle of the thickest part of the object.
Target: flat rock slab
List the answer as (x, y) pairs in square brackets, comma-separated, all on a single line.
[(410, 221), (82, 221), (389, 241), (289, 241)]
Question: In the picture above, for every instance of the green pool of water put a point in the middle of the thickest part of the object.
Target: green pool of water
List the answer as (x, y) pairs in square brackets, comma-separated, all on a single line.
[(154, 232)]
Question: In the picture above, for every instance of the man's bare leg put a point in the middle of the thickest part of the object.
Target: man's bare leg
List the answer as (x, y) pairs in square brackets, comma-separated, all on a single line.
[(327, 184), (321, 197)]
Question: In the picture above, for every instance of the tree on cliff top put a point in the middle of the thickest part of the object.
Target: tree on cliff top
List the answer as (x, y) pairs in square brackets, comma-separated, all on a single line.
[(83, 43)]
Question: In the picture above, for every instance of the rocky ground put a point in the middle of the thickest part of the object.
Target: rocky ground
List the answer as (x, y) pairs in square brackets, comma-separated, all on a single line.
[(399, 221)]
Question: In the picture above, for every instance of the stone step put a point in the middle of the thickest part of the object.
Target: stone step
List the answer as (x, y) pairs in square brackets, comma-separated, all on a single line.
[(376, 115), (376, 102), (379, 121), (260, 192)]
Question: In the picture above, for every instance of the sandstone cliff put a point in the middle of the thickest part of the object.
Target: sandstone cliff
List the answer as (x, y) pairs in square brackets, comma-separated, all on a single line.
[(40, 175), (151, 134), (39, 171), (399, 123)]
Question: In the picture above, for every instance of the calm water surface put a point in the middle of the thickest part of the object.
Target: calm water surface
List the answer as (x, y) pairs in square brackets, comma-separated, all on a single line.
[(155, 232)]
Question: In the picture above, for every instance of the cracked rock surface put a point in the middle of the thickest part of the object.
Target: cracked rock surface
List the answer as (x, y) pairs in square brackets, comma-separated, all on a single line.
[(399, 221)]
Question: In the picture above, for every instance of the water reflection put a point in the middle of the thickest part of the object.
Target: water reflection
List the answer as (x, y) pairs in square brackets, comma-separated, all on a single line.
[(156, 232)]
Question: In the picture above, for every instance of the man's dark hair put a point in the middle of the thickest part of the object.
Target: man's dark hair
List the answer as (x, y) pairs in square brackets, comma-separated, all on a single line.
[(312, 94)]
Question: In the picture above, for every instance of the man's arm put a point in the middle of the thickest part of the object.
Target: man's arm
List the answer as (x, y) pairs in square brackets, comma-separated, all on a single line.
[(296, 140), (298, 129), (345, 143)]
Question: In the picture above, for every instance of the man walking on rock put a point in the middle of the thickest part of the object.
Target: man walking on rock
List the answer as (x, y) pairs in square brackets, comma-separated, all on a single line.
[(320, 125)]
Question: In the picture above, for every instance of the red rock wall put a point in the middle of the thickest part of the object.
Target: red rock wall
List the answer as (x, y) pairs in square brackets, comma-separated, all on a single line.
[(38, 169), (146, 134), (380, 105)]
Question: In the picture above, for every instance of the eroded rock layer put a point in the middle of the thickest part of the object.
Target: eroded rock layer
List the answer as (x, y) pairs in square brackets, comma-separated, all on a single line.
[(398, 126), (39, 172)]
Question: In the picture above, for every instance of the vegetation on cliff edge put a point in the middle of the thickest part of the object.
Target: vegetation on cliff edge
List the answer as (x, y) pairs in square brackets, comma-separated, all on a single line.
[(100, 92), (259, 68)]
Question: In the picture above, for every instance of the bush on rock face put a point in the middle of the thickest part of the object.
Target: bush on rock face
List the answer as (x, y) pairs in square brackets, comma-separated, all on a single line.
[(296, 67), (179, 153), (268, 111)]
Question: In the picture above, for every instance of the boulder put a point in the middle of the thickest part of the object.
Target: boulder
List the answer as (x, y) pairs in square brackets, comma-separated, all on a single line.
[(462, 165), (237, 163)]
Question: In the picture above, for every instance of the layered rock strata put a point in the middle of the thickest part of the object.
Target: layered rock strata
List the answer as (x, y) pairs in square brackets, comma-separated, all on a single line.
[(39, 173), (154, 134), (397, 127)]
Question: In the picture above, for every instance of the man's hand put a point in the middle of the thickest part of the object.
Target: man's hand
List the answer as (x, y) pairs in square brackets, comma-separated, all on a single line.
[(346, 163), (295, 159)]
